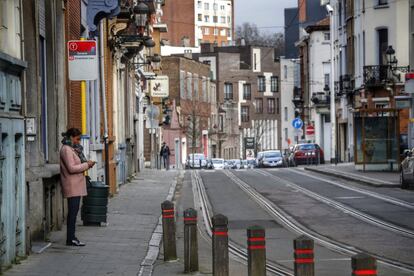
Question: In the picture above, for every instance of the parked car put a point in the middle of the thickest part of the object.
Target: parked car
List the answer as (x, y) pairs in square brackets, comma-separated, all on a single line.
[(271, 158), (243, 164), (236, 164), (306, 154), (228, 164), (209, 164), (218, 163), (407, 170), (251, 164), (196, 161)]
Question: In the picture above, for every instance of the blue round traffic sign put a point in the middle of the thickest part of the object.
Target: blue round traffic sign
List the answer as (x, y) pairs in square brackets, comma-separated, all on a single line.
[(297, 123)]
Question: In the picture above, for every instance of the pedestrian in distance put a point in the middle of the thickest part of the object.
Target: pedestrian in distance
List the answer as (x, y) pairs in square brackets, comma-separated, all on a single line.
[(73, 166), (165, 155)]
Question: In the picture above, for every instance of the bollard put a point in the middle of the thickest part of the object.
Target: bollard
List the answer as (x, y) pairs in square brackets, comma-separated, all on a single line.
[(168, 231), (256, 247), (363, 264), (220, 246), (304, 263), (190, 241)]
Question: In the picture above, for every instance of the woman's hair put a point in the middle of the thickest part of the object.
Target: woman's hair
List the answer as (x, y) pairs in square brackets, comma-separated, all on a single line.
[(72, 132)]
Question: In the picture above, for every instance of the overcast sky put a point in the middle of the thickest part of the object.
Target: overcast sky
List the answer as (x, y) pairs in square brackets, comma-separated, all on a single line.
[(263, 13)]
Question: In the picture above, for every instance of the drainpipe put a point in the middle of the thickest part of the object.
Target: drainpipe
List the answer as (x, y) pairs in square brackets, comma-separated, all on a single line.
[(332, 84), (103, 97)]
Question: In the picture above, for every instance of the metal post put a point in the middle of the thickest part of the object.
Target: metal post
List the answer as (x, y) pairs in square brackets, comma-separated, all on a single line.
[(190, 241), (220, 246), (332, 84), (256, 246), (168, 231), (304, 262), (363, 264)]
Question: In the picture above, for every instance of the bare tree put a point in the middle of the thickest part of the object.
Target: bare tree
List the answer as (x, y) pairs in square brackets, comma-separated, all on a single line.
[(253, 36), (258, 132)]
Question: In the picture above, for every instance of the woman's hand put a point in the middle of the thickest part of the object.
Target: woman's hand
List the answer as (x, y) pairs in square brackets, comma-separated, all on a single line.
[(91, 163)]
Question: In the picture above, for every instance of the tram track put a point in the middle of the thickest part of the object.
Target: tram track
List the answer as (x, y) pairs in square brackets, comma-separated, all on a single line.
[(234, 248), (295, 226)]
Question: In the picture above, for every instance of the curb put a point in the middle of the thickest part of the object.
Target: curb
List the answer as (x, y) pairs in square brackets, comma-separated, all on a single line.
[(364, 181), (147, 265)]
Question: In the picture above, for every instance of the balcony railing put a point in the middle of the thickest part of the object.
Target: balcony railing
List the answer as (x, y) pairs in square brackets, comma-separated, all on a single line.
[(321, 99), (380, 75)]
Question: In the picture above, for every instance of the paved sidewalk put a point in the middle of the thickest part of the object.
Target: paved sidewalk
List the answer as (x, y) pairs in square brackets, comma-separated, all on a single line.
[(347, 171), (117, 249)]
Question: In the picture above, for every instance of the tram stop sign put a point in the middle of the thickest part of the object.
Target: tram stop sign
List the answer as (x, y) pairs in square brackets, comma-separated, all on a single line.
[(82, 60)]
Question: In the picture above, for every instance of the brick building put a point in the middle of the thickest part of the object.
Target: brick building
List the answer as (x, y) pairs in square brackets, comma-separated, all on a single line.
[(190, 89), (248, 97), (199, 21)]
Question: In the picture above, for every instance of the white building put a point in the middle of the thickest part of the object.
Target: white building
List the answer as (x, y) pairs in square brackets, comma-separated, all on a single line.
[(318, 83), (289, 79), (214, 22)]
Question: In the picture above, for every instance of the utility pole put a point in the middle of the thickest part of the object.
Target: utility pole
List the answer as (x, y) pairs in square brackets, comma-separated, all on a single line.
[(330, 10)]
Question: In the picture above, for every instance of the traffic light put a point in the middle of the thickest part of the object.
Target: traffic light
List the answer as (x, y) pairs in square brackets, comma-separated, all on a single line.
[(166, 111)]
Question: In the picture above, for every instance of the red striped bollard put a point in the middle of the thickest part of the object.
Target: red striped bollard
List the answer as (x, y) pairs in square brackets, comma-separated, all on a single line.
[(220, 246), (256, 247), (363, 264), (168, 231), (190, 241), (304, 256)]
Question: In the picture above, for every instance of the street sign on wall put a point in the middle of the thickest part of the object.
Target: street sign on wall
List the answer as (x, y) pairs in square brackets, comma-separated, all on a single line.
[(82, 60), (159, 87), (249, 143)]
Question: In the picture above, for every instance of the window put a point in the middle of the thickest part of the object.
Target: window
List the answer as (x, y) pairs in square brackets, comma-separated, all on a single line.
[(228, 91), (274, 87), (221, 123), (382, 46), (228, 19), (223, 44), (206, 31), (44, 111), (327, 36), (244, 114), (215, 6), (222, 7), (261, 82), (286, 134), (271, 106), (204, 89), (259, 105), (189, 86), (206, 6), (196, 87), (182, 86), (222, 19), (215, 18), (215, 31), (206, 18), (286, 114), (199, 4), (277, 106), (382, 2), (255, 61), (326, 77), (223, 32), (247, 91), (285, 71), (200, 17)]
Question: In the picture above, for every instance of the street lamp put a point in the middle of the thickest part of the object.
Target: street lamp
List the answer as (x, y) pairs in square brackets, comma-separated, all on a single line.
[(390, 52), (141, 14), (156, 62)]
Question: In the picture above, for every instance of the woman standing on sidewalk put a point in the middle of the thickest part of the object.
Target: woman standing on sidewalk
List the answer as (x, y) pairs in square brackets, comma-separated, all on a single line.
[(72, 167)]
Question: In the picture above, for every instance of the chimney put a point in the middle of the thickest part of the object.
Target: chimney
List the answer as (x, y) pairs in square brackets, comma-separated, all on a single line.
[(242, 42), (188, 54)]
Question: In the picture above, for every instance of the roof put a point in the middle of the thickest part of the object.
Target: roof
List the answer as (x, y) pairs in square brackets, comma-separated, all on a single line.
[(322, 25)]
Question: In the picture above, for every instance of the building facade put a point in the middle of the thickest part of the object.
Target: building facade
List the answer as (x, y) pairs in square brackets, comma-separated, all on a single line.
[(190, 90), (199, 21), (248, 97), (289, 82), (12, 153)]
